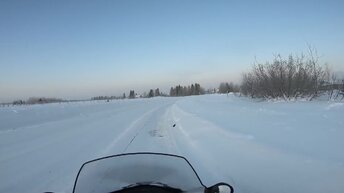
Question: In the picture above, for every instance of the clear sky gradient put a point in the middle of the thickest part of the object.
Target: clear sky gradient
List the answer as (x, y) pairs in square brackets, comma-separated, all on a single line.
[(79, 49)]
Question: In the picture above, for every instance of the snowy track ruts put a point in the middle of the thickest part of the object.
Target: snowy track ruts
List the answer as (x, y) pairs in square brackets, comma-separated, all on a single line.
[(46, 157), (257, 146), (136, 137)]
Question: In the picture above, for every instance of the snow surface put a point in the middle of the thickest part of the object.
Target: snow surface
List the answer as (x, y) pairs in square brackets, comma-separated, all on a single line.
[(258, 147)]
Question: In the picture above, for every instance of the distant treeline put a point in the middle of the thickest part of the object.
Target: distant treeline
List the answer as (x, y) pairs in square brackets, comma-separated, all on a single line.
[(226, 87), (37, 100), (298, 76), (193, 89), (107, 97)]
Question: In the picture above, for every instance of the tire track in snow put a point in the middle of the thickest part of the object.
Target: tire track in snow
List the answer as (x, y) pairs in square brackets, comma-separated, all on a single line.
[(51, 159), (129, 135), (152, 135), (244, 162), (189, 147)]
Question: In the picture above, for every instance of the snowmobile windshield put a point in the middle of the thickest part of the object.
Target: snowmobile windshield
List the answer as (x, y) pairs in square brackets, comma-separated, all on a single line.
[(138, 172)]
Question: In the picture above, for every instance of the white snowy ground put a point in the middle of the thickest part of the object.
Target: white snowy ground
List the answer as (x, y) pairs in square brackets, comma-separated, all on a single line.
[(259, 147)]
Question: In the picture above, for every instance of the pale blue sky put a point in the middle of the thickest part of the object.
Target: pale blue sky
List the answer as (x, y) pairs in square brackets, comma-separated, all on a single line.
[(79, 49)]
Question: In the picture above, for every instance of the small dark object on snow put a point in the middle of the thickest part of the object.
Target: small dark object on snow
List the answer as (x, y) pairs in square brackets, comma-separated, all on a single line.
[(173, 125)]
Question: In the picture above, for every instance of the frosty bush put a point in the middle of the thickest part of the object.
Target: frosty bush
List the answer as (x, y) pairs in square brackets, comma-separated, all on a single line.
[(292, 77)]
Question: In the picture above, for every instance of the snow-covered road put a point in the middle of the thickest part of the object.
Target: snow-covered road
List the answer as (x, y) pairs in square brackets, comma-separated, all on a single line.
[(257, 146)]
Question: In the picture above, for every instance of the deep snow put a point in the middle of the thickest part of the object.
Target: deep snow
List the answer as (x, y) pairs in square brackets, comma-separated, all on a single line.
[(260, 147)]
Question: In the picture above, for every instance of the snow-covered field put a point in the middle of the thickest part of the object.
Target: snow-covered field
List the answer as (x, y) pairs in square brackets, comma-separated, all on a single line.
[(259, 147)]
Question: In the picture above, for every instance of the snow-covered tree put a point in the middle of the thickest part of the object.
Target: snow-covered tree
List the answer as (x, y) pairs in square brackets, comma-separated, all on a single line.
[(157, 92), (132, 94), (151, 93)]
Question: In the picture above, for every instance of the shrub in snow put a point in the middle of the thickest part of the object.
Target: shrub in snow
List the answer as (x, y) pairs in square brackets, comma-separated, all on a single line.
[(288, 78)]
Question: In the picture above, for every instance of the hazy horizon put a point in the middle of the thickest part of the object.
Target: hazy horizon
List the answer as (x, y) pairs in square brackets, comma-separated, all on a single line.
[(76, 50)]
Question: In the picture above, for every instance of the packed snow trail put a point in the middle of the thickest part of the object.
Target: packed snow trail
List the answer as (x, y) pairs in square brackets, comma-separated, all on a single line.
[(256, 146), (46, 156), (251, 165)]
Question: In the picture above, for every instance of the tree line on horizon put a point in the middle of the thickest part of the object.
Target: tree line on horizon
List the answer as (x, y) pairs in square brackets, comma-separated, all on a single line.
[(37, 100), (193, 89), (297, 76)]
